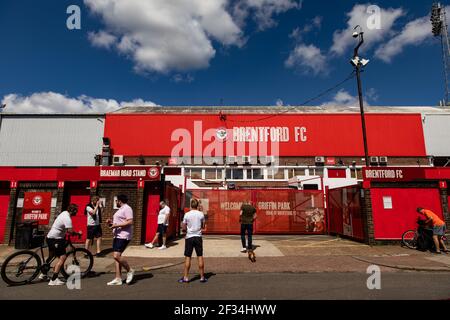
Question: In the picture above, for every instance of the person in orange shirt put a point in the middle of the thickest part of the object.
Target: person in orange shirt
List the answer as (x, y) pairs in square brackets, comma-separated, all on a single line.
[(438, 226)]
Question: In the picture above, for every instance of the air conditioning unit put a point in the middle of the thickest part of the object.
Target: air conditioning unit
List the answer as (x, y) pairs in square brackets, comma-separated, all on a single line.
[(383, 161), (374, 160), (231, 160), (267, 159), (319, 161), (118, 161), (215, 160), (246, 159)]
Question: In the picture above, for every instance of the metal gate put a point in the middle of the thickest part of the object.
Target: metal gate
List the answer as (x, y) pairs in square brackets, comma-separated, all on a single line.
[(344, 212)]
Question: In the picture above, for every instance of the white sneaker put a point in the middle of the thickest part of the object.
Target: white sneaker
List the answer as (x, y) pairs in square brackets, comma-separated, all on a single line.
[(130, 276), (115, 282), (56, 282), (43, 277), (149, 245), (243, 250), (162, 248)]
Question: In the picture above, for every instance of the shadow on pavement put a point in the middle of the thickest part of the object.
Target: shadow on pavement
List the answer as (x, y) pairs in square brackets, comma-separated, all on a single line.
[(142, 276), (207, 276), (105, 252), (93, 274)]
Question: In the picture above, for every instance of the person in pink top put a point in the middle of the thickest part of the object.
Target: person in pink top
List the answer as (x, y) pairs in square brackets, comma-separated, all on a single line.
[(122, 226)]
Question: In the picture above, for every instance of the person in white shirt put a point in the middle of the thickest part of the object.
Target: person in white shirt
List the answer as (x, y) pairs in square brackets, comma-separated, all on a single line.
[(93, 211), (56, 240), (194, 223), (163, 224)]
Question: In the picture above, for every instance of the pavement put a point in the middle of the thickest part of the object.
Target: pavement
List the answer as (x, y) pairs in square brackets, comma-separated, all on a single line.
[(277, 254)]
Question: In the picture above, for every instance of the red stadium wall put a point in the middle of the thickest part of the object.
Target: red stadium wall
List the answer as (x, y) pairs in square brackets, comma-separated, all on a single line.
[(391, 223), (321, 134)]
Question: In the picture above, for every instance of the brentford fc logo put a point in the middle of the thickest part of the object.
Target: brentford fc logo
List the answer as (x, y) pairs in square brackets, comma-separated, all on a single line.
[(153, 172), (37, 200), (221, 134)]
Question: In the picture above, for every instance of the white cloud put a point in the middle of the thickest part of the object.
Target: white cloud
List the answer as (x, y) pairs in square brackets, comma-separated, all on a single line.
[(52, 102), (345, 99), (178, 78), (162, 36), (414, 33), (298, 33), (263, 11), (101, 39), (343, 40), (309, 58)]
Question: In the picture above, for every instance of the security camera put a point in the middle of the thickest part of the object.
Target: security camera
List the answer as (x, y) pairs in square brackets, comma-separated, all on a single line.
[(355, 34)]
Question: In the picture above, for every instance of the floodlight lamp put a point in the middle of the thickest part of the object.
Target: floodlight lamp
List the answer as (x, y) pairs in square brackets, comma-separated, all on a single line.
[(364, 62), (355, 61)]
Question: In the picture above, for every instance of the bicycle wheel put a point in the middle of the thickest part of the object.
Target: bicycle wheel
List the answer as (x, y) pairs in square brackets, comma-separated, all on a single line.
[(21, 268), (409, 239), (80, 258)]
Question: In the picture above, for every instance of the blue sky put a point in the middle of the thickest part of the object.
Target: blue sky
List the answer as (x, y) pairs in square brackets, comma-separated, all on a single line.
[(193, 52)]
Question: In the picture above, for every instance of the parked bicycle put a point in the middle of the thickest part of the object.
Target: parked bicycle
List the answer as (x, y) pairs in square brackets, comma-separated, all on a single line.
[(24, 266), (420, 238)]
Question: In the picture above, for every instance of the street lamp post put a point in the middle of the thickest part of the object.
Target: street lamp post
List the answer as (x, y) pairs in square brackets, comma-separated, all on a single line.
[(359, 63)]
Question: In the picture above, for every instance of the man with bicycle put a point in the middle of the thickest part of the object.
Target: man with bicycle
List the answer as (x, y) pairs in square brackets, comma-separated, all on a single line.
[(56, 240), (438, 226)]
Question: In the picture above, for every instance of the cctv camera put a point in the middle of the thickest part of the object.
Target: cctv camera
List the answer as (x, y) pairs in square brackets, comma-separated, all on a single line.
[(355, 34)]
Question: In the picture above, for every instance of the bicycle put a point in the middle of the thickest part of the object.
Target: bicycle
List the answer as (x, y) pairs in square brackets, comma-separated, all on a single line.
[(410, 238), (22, 267)]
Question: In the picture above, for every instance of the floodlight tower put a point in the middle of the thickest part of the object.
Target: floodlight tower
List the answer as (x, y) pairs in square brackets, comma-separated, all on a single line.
[(440, 28)]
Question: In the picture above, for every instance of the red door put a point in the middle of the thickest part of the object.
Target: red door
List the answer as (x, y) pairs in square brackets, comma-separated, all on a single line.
[(4, 203), (79, 222), (151, 221)]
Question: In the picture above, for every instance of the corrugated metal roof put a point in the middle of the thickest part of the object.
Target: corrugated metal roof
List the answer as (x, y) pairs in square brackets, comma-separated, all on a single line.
[(50, 141), (284, 109)]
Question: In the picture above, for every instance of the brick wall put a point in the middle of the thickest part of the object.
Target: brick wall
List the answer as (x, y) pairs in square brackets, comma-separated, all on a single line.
[(444, 201), (109, 191), (10, 219), (15, 214), (367, 217)]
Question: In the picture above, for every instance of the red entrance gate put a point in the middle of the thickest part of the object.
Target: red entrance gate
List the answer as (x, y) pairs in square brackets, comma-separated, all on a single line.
[(344, 212), (152, 199), (81, 198), (4, 203), (278, 211)]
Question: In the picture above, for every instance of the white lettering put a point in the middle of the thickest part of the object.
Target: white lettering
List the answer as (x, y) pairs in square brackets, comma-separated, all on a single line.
[(374, 280)]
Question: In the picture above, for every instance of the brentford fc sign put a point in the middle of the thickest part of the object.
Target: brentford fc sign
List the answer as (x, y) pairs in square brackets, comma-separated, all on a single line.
[(129, 173), (37, 206), (392, 174)]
